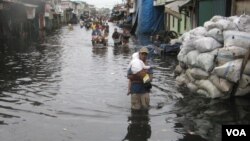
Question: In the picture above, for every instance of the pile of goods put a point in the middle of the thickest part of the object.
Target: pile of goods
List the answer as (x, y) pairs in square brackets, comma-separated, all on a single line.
[(215, 57)]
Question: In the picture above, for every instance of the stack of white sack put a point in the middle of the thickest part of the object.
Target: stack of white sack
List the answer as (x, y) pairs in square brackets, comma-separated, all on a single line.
[(211, 57)]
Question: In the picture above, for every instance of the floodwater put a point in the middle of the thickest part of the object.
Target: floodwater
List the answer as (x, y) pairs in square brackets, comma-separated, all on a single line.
[(63, 90)]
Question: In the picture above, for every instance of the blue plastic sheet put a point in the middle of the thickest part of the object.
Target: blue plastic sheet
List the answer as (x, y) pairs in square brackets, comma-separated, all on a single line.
[(150, 17)]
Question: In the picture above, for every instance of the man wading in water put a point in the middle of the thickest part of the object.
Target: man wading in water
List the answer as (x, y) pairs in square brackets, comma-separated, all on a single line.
[(139, 90)]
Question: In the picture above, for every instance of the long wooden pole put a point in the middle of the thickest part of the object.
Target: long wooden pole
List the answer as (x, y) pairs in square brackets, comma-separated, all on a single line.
[(245, 60)]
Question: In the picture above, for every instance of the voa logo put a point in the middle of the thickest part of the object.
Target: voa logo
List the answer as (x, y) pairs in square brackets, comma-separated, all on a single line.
[(236, 132)]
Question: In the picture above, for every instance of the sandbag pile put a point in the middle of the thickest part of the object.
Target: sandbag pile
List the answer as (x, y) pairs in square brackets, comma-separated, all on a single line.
[(211, 57)]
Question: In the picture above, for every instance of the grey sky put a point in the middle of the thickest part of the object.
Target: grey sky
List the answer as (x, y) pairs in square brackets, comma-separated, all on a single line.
[(103, 3)]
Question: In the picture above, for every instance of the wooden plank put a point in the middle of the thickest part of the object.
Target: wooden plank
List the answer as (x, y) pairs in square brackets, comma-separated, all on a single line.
[(174, 13)]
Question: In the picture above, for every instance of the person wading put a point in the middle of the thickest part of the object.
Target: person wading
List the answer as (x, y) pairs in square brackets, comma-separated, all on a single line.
[(116, 37), (139, 90)]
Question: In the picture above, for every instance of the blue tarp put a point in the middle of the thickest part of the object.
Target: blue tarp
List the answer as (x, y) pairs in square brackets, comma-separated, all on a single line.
[(150, 17)]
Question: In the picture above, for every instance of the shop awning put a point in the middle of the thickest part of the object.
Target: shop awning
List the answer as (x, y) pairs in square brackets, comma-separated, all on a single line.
[(30, 10), (162, 2), (174, 7), (20, 2), (30, 5)]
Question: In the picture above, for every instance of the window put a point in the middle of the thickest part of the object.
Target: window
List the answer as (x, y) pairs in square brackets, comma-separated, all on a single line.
[(185, 22), (172, 21)]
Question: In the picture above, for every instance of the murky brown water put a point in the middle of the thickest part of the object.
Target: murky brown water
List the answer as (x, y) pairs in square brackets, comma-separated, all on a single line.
[(63, 90)]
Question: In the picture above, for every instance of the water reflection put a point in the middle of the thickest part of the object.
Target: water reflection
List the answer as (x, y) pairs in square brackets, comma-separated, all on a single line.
[(100, 51), (204, 117), (28, 75), (121, 50), (139, 128), (2, 123), (190, 137)]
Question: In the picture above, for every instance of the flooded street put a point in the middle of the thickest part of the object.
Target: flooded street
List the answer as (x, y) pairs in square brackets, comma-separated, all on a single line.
[(64, 90)]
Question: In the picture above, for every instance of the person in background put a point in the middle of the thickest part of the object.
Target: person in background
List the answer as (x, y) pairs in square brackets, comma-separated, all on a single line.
[(81, 23), (116, 37), (93, 26), (107, 28), (158, 40), (96, 33), (70, 27), (125, 37), (139, 90)]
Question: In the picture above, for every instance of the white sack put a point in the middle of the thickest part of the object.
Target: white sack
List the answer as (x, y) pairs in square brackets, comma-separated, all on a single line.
[(210, 25), (206, 44), (190, 77), (243, 23), (227, 24), (244, 81), (247, 68), (192, 87), (183, 65), (222, 84), (185, 37), (221, 23), (230, 70), (233, 51), (192, 58), (206, 61), (209, 87), (198, 73), (198, 31), (202, 92), (233, 19), (182, 55), (227, 54), (178, 69), (216, 18), (242, 91), (182, 80), (214, 52), (188, 45), (236, 38), (217, 34), (188, 36)]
